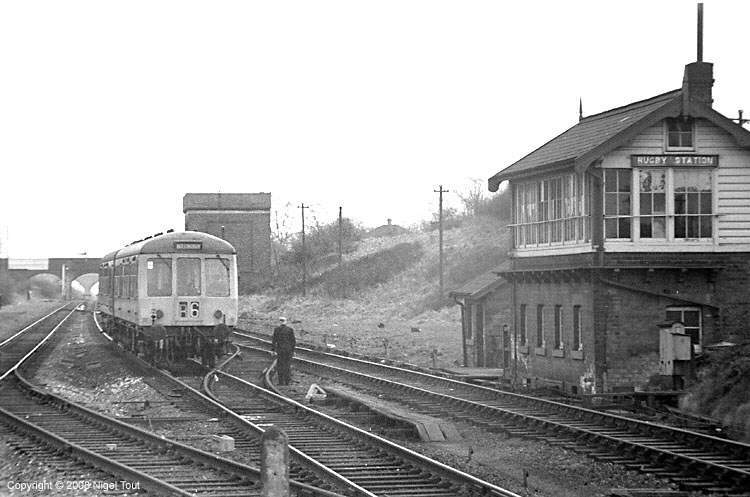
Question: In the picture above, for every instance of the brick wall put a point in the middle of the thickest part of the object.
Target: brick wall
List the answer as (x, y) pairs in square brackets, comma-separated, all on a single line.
[(621, 310), (246, 222), (549, 364)]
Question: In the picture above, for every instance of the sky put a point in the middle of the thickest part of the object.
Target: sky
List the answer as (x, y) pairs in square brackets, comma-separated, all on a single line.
[(111, 111)]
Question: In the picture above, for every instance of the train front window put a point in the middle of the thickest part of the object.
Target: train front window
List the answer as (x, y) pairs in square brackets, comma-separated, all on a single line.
[(159, 273), (188, 276), (217, 277)]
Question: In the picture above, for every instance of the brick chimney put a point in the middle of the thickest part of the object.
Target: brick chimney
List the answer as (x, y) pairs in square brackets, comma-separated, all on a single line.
[(699, 76), (698, 82)]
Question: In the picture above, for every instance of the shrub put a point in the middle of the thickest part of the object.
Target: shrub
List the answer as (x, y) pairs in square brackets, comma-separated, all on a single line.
[(723, 389), (322, 240), (369, 271)]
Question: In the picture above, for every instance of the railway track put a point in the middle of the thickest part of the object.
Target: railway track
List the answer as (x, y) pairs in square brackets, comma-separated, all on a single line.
[(22, 344), (187, 397), (693, 460), (139, 460), (373, 465)]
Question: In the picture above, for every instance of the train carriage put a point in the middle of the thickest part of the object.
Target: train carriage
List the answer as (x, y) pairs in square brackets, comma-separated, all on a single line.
[(170, 296)]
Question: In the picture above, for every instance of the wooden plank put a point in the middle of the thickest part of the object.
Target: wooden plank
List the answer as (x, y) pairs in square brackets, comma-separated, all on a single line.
[(734, 215), (733, 202)]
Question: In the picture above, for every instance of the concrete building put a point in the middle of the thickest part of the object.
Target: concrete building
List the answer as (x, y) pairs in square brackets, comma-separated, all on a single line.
[(632, 217), (242, 219)]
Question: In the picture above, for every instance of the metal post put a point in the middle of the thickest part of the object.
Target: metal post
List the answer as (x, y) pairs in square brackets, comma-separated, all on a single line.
[(700, 32), (341, 236), (440, 191), (304, 251)]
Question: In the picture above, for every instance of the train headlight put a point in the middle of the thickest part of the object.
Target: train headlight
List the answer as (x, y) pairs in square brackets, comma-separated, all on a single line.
[(157, 314), (218, 314)]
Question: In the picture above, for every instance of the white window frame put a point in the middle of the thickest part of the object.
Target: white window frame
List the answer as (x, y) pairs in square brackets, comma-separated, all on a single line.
[(635, 209), (682, 310), (667, 148)]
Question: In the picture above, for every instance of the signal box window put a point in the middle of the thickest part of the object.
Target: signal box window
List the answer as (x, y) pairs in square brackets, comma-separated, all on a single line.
[(691, 318), (653, 203), (217, 277), (522, 324), (617, 203), (188, 276), (692, 204), (577, 341), (680, 134), (558, 327), (540, 325), (159, 276)]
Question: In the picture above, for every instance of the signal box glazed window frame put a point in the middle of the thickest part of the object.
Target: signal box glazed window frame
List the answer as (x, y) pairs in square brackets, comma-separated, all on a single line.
[(551, 212), (692, 318), (541, 344), (679, 134), (558, 346), (670, 205)]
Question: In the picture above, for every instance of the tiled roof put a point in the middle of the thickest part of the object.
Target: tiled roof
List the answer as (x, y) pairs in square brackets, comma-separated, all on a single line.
[(588, 134), (481, 285)]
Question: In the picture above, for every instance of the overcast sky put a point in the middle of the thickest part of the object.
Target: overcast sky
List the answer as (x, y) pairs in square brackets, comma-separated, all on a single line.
[(111, 111)]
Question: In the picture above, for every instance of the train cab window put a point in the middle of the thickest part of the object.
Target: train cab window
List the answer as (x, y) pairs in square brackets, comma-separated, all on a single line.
[(188, 276), (217, 277), (159, 276)]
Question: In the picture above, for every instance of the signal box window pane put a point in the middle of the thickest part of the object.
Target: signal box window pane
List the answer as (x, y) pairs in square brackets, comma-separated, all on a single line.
[(217, 277), (159, 277), (188, 276)]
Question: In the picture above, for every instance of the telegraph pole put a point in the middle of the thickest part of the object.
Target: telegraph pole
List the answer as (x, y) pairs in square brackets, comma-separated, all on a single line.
[(304, 252), (440, 191), (341, 236)]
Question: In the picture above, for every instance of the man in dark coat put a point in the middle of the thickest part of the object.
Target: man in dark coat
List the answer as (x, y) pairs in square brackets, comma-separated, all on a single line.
[(283, 345)]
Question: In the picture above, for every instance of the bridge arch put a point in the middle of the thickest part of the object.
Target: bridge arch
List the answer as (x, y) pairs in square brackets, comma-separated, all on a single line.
[(44, 286), (85, 284)]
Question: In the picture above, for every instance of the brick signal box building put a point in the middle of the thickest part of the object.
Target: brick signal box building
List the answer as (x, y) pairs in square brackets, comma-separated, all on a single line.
[(242, 219), (633, 217)]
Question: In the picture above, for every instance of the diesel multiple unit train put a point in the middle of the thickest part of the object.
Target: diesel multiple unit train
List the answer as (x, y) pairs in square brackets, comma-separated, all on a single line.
[(170, 296)]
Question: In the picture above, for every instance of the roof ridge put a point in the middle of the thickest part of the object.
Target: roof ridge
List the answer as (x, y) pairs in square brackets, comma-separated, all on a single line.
[(632, 105)]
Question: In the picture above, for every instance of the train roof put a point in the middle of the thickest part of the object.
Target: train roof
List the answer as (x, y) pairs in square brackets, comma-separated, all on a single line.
[(179, 242)]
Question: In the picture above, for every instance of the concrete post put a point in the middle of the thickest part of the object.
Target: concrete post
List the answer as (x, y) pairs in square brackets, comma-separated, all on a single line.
[(274, 463)]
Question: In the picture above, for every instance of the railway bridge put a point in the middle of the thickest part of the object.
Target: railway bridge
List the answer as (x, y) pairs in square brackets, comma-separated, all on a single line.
[(83, 270)]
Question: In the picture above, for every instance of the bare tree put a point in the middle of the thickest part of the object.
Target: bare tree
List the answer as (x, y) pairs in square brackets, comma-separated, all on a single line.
[(472, 197)]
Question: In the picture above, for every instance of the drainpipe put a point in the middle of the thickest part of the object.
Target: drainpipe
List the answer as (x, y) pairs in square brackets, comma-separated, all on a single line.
[(463, 329), (515, 332)]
